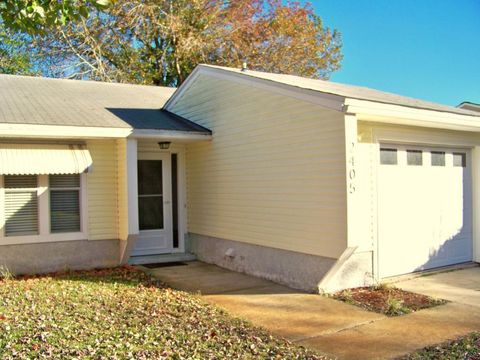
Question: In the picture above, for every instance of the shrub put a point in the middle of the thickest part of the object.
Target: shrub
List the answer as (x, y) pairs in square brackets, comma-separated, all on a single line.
[(396, 307)]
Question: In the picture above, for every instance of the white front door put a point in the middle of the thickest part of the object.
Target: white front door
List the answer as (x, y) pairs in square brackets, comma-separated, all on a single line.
[(424, 208), (154, 205)]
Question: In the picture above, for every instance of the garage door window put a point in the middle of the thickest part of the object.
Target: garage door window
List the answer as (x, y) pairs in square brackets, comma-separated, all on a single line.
[(414, 157), (388, 156), (438, 158), (460, 159)]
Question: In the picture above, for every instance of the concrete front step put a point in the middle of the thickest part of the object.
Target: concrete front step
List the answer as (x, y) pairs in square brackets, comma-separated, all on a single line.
[(161, 259)]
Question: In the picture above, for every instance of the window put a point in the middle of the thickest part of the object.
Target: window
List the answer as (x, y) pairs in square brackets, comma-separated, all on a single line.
[(21, 205), (39, 208), (438, 158), (64, 203), (388, 156), (414, 157), (150, 194), (460, 159)]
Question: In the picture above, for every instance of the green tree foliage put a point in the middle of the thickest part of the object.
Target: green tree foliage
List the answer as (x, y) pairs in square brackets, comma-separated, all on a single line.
[(161, 41), (15, 55), (34, 16)]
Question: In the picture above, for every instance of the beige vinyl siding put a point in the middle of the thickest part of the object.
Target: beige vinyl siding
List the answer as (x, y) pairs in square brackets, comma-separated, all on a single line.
[(102, 191), (274, 174)]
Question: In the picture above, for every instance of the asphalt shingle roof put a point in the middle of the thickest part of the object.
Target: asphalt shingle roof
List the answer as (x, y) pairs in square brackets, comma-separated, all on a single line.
[(46, 101), (347, 91)]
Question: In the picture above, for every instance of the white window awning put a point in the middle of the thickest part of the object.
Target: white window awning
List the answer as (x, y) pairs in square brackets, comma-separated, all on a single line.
[(43, 159)]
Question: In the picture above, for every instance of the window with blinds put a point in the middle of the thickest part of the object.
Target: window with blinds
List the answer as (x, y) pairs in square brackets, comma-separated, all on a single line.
[(64, 203), (21, 205)]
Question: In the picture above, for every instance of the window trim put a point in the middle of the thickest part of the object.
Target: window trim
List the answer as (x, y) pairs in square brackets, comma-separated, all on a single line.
[(44, 216)]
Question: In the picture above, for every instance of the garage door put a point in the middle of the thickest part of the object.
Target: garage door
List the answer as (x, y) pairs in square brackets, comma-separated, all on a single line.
[(424, 208)]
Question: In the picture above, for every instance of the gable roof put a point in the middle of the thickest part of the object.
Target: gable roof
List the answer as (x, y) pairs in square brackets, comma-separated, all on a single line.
[(63, 102), (344, 90)]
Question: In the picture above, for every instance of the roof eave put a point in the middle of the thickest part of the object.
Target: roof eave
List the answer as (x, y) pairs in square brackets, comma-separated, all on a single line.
[(34, 131), (170, 135), (402, 115)]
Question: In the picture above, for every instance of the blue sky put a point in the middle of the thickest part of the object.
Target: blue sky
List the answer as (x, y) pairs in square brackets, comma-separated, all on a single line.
[(428, 49)]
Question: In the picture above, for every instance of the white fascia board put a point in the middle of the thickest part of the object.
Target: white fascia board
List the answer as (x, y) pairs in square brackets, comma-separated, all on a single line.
[(29, 131), (403, 115), (169, 135), (330, 101), (60, 132)]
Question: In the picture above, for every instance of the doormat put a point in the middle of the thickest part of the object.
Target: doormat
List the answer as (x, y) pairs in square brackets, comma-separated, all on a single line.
[(167, 264)]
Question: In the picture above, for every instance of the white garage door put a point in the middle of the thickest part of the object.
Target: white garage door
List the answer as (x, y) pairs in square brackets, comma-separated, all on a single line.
[(424, 208)]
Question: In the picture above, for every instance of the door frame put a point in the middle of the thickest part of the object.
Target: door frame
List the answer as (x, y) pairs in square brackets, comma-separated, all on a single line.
[(167, 204), (166, 198), (138, 149)]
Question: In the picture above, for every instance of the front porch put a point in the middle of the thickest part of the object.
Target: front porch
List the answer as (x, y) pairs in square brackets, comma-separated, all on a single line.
[(156, 198)]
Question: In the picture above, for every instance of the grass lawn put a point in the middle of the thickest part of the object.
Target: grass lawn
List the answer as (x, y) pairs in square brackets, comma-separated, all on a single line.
[(467, 347), (121, 314)]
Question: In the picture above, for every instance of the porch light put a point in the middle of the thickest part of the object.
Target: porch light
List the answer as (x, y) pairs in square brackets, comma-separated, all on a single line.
[(164, 145)]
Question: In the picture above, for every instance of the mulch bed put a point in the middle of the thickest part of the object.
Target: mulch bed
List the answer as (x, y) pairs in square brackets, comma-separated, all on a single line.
[(387, 300)]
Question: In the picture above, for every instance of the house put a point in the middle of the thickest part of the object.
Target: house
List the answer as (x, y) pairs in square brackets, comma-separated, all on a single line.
[(469, 106), (309, 183)]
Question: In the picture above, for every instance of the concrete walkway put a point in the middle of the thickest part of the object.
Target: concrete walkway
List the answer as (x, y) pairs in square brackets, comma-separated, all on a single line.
[(461, 286), (329, 326)]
